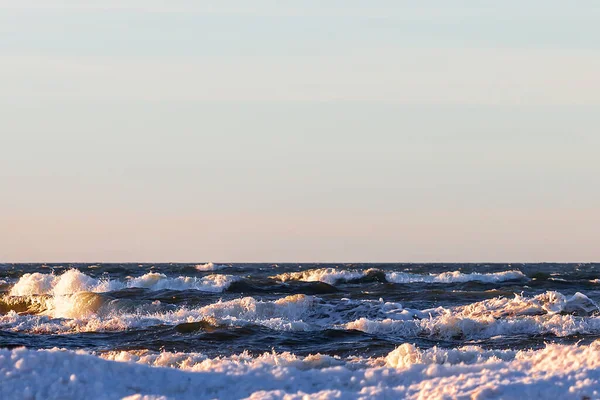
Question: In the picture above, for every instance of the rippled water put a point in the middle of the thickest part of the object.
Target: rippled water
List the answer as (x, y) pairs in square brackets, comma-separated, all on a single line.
[(363, 310)]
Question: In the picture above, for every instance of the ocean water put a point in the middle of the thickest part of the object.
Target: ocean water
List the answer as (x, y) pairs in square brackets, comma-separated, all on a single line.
[(299, 331)]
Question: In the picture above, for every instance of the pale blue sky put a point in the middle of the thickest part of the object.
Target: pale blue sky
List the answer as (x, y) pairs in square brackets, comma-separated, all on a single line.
[(299, 131)]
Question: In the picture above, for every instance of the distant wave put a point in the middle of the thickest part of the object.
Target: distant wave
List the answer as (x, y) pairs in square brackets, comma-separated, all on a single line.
[(210, 267), (333, 276), (327, 275), (456, 277)]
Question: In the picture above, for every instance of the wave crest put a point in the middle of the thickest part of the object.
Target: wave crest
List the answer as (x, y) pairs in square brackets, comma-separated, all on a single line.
[(75, 281), (334, 276)]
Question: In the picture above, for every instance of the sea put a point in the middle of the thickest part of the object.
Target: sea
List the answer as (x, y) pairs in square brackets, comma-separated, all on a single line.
[(299, 331)]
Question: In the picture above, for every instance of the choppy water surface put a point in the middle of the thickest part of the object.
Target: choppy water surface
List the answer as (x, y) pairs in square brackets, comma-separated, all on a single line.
[(363, 310)]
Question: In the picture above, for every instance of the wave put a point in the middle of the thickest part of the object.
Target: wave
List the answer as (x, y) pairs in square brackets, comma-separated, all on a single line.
[(334, 276), (556, 371), (74, 281), (456, 277), (90, 312), (93, 312), (548, 313), (210, 267), (74, 294), (330, 276), (156, 281)]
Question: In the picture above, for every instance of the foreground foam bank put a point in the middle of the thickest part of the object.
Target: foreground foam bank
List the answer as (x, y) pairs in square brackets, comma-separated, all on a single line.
[(557, 371)]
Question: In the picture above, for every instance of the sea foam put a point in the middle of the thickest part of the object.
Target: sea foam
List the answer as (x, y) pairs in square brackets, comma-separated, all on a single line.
[(93, 312), (74, 281), (547, 313), (455, 277), (210, 267), (556, 371), (334, 276)]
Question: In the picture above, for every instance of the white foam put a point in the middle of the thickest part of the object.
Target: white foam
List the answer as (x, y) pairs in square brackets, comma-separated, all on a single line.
[(327, 275), (283, 314), (235, 364), (406, 355), (455, 277), (90, 312), (74, 294), (557, 371), (157, 281), (210, 267), (547, 313), (75, 281), (336, 275)]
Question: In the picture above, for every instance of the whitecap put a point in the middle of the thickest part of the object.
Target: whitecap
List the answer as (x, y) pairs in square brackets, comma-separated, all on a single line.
[(455, 277), (74, 281), (210, 267), (333, 276)]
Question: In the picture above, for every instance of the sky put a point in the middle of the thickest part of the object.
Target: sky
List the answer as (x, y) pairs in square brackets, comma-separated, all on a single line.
[(271, 131)]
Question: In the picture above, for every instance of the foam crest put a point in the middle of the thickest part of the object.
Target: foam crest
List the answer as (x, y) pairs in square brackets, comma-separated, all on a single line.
[(455, 277), (76, 295), (75, 281), (550, 302), (32, 284), (282, 314), (73, 321), (548, 313), (157, 281), (210, 267), (92, 312), (71, 281), (335, 275), (327, 275)]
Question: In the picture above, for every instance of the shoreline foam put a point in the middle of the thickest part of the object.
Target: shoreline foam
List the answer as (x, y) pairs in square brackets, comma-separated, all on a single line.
[(557, 371)]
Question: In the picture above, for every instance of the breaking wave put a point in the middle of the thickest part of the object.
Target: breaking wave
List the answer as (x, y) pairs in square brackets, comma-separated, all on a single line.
[(548, 313), (74, 281), (210, 267), (333, 276)]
